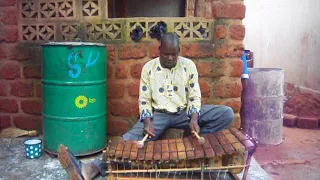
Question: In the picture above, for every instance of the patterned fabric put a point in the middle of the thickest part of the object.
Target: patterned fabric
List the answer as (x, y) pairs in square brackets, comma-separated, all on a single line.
[(170, 90)]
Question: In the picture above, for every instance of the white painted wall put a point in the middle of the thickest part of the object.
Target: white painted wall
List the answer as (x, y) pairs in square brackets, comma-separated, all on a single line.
[(286, 34)]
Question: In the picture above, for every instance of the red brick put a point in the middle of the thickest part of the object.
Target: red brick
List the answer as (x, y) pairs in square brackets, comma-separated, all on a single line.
[(134, 108), (235, 104), (154, 50), (136, 70), (120, 108), (133, 89), (220, 32), (200, 8), (32, 71), (2, 52), (288, 88), (237, 32), (111, 53), (3, 89), (9, 34), (9, 105), (39, 90), (22, 52), (122, 72), (205, 88), (135, 51), (290, 120), (227, 87), (115, 90), (125, 109), (307, 123), (227, 50), (117, 126), (236, 123), (28, 122), (110, 70), (237, 66), (197, 50), (9, 70), (31, 106), (208, 10), (5, 3), (230, 11), (21, 88), (5, 121), (9, 16), (212, 69)]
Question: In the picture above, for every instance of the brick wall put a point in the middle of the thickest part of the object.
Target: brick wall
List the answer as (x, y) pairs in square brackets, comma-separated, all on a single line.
[(219, 67)]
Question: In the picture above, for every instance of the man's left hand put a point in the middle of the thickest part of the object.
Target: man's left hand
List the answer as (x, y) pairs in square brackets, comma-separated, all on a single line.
[(193, 125)]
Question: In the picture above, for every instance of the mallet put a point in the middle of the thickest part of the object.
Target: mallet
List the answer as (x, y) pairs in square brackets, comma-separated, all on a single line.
[(200, 139), (141, 143)]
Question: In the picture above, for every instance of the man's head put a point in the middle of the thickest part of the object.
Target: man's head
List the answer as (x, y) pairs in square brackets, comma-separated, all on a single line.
[(169, 50)]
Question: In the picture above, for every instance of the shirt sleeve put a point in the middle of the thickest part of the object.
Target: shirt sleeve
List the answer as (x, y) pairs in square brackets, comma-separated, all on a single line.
[(194, 93), (145, 107)]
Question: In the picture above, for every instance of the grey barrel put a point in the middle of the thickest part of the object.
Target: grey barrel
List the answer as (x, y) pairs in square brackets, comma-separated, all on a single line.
[(262, 105)]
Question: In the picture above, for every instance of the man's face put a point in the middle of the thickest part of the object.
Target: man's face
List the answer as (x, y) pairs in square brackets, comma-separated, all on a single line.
[(169, 55)]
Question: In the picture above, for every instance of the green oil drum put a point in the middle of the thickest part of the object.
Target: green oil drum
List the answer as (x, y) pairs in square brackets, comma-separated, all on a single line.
[(74, 96)]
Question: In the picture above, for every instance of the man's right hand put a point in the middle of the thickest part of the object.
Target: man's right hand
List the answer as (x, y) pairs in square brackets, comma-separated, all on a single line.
[(148, 129)]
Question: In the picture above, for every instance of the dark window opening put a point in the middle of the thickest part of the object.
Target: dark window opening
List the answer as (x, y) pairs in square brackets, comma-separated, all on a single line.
[(146, 8)]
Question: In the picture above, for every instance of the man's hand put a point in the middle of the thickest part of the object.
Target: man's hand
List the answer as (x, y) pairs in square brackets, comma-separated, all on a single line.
[(193, 125), (148, 129)]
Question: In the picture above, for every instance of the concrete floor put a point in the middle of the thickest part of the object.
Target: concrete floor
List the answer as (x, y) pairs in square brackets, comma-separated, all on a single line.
[(297, 157)]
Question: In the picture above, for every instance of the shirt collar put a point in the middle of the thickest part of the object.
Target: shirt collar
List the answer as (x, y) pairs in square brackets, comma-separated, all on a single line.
[(174, 68)]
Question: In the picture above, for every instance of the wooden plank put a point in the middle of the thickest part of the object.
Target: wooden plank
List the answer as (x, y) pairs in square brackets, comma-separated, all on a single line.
[(248, 145), (195, 143), (150, 146), (172, 141), (165, 151), (134, 151), (240, 136), (212, 139), (157, 156), (127, 146), (198, 154), (238, 147), (179, 140), (173, 151), (231, 138), (182, 155), (173, 156), (149, 151), (181, 151), (188, 145), (209, 152), (157, 150), (119, 149), (217, 148), (141, 153), (126, 150), (228, 148), (190, 155), (225, 131), (180, 147), (222, 140), (206, 143)]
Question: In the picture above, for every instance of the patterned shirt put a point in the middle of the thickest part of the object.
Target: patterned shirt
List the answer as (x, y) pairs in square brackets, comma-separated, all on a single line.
[(169, 90)]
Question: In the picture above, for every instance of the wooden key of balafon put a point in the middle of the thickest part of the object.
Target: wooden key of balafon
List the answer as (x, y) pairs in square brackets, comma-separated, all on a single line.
[(200, 139), (141, 143)]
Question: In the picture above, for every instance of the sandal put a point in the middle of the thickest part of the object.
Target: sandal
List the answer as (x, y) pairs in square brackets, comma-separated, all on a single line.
[(70, 163)]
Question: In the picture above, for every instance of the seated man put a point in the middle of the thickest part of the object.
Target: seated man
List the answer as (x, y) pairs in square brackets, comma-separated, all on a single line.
[(169, 97)]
